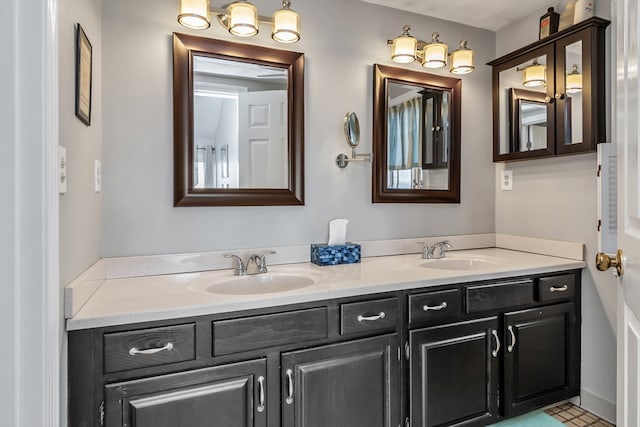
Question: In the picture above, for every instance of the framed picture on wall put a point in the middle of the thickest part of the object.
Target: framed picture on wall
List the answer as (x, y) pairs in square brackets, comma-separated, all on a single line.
[(83, 76)]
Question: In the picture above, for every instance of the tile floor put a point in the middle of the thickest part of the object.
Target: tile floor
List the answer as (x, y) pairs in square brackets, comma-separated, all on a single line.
[(575, 416)]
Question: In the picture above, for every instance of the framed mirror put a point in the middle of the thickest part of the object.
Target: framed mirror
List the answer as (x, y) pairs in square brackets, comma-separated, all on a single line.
[(416, 137), (238, 124), (528, 120)]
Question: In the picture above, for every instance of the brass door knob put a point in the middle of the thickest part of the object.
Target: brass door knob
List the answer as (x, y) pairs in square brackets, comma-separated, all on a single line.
[(605, 262)]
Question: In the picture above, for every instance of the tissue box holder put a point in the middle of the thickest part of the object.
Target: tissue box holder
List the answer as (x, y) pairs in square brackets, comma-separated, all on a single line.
[(349, 253)]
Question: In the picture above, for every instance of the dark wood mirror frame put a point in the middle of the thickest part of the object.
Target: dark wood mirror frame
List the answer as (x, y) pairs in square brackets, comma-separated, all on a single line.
[(382, 76), (184, 48)]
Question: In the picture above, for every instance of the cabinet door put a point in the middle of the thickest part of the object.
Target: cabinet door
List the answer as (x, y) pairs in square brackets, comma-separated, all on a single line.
[(229, 395), (454, 374), (541, 357), (351, 384), (523, 113), (580, 68)]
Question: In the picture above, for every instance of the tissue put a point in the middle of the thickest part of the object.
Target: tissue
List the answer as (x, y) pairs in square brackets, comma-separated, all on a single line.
[(337, 251), (338, 231)]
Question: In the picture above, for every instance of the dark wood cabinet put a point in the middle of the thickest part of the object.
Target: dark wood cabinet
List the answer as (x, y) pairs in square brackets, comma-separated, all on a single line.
[(454, 374), (464, 354), (228, 395), (541, 357), (549, 96), (355, 384)]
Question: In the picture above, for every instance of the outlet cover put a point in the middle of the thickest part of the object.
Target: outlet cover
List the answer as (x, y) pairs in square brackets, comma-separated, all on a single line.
[(97, 182), (506, 181), (62, 170)]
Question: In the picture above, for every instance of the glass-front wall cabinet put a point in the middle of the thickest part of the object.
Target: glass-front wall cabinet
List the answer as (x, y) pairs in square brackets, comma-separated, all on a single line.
[(548, 97)]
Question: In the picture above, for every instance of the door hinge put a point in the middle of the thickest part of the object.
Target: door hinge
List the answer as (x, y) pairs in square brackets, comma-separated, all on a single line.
[(599, 171), (399, 353), (101, 413), (407, 422), (407, 350), (599, 224)]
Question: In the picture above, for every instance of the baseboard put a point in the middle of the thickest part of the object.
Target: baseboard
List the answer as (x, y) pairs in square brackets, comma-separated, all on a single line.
[(598, 405)]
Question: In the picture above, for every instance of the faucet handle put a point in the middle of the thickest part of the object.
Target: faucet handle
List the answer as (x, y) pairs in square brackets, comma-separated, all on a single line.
[(262, 266), (425, 249), (240, 270)]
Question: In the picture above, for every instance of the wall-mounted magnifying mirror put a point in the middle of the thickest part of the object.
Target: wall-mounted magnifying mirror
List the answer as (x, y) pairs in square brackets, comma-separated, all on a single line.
[(352, 135), (238, 124), (416, 137), (352, 129)]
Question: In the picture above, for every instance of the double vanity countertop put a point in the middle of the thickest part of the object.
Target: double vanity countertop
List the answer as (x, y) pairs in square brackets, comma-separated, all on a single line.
[(159, 297)]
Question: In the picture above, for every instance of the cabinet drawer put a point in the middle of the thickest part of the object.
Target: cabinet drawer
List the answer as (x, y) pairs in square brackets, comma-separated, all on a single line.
[(376, 315), (149, 347), (556, 287), (252, 333), (434, 305), (498, 295)]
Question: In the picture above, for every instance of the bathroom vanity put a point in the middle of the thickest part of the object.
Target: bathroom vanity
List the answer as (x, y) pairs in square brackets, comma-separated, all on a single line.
[(483, 335)]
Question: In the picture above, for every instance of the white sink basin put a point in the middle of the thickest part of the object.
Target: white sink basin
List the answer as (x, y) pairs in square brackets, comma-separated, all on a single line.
[(463, 264), (266, 283)]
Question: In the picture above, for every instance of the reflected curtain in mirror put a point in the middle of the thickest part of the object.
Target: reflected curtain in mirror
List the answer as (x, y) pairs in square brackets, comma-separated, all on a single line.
[(238, 124), (416, 137)]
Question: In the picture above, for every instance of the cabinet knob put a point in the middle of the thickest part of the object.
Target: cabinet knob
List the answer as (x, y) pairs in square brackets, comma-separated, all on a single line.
[(559, 95), (548, 99), (606, 261)]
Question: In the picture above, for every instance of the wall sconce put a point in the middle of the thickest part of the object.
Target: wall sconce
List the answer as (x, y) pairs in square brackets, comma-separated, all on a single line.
[(241, 19), (405, 49), (574, 80), (534, 74)]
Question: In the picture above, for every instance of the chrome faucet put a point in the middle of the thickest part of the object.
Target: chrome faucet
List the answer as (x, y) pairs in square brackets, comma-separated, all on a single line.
[(259, 261), (256, 263), (240, 269), (436, 251)]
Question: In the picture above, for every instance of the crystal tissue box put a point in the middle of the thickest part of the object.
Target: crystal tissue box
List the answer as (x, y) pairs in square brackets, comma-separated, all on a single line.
[(349, 253)]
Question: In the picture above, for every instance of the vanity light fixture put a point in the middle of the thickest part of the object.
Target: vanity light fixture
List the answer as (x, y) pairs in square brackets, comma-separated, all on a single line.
[(534, 74), (574, 80), (462, 61), (434, 54), (241, 19)]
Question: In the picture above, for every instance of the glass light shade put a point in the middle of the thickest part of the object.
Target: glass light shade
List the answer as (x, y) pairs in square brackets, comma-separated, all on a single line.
[(286, 26), (404, 49), (194, 14), (435, 53), (462, 60), (535, 75), (573, 82), (242, 19)]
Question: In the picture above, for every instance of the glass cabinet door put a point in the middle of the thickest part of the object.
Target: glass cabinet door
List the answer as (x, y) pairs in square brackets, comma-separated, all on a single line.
[(523, 106), (579, 84)]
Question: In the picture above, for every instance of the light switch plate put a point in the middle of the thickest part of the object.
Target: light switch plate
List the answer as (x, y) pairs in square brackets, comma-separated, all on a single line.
[(62, 170), (97, 182), (506, 181)]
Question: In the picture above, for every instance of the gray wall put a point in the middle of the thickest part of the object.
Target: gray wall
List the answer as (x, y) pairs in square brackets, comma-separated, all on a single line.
[(341, 41), (80, 207), (557, 199)]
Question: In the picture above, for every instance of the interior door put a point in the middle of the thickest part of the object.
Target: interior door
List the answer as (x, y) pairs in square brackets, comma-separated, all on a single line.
[(627, 122), (262, 139)]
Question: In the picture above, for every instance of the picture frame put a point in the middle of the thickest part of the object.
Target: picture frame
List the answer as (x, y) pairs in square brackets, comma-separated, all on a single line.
[(84, 76)]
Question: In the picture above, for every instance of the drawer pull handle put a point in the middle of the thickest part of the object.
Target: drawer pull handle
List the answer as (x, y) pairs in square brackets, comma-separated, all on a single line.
[(562, 288), (494, 353), (133, 351), (373, 318), (511, 346), (261, 396), (289, 398), (435, 307)]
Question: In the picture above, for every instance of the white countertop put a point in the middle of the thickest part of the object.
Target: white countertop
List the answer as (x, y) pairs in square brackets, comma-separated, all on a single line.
[(161, 297)]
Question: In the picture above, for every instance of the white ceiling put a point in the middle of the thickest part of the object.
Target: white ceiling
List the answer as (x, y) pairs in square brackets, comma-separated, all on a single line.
[(488, 14)]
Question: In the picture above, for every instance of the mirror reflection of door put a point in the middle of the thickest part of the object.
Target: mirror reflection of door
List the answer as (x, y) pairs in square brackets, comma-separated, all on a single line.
[(240, 125), (418, 137), (533, 126)]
